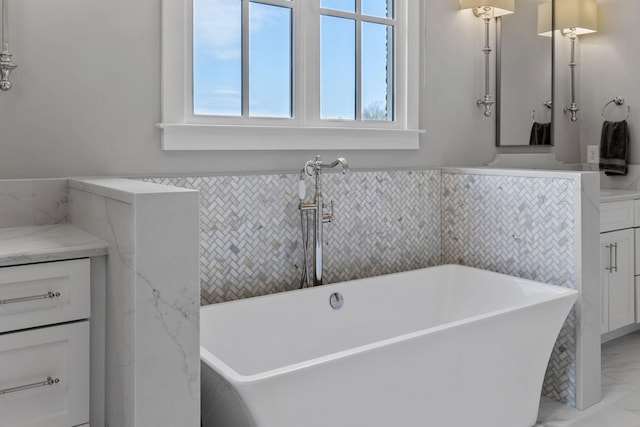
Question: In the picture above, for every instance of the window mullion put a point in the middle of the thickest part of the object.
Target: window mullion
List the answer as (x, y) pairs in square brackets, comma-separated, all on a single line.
[(245, 58), (298, 47), (358, 54), (187, 106), (392, 91), (310, 57)]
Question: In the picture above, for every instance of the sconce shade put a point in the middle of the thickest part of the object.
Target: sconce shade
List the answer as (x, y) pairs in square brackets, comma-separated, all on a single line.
[(579, 14), (545, 14), (500, 7)]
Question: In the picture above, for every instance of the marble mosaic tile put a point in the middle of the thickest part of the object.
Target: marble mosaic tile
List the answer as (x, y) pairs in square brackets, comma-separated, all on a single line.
[(524, 227), (250, 233)]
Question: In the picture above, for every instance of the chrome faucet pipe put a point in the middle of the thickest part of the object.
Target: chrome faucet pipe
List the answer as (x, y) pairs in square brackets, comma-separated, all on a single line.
[(314, 168)]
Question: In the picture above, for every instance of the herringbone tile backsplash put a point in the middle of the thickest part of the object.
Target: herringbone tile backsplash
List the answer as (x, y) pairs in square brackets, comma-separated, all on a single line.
[(391, 221), (250, 234)]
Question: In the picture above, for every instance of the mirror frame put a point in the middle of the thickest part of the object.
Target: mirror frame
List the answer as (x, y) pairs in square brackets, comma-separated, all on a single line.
[(498, 92)]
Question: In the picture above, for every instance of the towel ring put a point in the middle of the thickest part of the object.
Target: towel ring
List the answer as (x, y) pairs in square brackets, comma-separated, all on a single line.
[(618, 100), (547, 104)]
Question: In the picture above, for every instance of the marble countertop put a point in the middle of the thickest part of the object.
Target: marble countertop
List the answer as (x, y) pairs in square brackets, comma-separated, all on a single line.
[(618, 195), (42, 243)]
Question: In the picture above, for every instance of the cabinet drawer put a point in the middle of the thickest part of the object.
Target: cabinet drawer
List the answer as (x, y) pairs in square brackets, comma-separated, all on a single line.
[(44, 380), (616, 215), (41, 294)]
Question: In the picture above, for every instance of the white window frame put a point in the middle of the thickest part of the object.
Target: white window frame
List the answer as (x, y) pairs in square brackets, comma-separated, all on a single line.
[(182, 130)]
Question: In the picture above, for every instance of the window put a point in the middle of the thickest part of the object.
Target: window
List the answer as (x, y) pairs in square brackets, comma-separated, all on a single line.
[(290, 74), (242, 58)]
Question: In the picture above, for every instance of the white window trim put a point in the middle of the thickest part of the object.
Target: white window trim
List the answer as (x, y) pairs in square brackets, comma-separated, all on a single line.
[(182, 131)]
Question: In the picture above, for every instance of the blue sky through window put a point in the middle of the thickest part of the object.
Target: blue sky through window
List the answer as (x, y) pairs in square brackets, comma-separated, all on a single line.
[(217, 73)]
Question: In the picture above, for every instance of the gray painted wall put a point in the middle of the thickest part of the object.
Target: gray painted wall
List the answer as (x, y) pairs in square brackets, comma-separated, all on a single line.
[(610, 66), (87, 95)]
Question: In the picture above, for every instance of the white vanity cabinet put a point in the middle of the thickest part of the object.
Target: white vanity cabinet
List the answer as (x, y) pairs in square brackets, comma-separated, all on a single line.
[(617, 264), (618, 289), (44, 344)]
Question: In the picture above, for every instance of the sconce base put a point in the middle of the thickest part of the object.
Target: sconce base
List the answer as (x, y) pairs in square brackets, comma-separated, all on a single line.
[(574, 111), (6, 66), (487, 102)]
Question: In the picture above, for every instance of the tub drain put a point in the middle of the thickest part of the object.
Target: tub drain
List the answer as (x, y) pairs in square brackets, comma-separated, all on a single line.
[(336, 300)]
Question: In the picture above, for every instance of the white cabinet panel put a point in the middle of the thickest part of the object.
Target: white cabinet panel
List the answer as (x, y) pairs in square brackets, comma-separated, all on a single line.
[(41, 294), (637, 280), (636, 213), (637, 252), (617, 255), (44, 380), (616, 215)]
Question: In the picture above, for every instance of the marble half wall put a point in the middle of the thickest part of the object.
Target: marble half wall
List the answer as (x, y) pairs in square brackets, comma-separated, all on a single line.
[(541, 226), (152, 313), (250, 233)]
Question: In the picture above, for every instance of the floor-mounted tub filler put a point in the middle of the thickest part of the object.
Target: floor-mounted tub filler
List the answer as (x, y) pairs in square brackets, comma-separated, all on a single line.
[(446, 346)]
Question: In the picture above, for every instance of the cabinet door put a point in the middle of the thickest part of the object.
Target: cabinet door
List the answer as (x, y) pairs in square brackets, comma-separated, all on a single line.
[(44, 376), (618, 254), (606, 258)]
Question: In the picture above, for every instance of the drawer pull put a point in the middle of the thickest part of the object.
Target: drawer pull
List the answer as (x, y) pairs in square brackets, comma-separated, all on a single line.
[(48, 295), (610, 267), (48, 381)]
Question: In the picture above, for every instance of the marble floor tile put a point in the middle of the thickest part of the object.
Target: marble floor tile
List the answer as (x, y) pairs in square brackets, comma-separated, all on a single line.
[(631, 403), (609, 416), (620, 404)]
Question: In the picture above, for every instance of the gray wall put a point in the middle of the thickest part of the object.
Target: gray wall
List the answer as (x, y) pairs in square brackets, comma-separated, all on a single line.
[(87, 95), (610, 66)]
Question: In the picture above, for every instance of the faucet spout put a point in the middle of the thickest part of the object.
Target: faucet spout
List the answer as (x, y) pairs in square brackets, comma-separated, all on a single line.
[(342, 162), (314, 167)]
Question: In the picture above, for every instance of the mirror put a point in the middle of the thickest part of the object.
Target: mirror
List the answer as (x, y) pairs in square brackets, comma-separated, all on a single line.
[(524, 64)]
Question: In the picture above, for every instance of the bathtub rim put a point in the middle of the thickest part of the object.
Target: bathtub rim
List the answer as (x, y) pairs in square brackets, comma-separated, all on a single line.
[(556, 293)]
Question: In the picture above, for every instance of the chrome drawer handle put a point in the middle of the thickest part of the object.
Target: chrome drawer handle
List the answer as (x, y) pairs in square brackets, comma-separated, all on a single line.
[(48, 295), (610, 268), (48, 381)]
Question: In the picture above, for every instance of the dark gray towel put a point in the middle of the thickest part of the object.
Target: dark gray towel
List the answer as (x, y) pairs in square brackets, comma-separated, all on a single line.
[(614, 148), (540, 134)]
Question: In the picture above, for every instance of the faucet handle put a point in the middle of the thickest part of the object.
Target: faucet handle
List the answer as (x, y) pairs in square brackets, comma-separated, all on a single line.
[(310, 167), (328, 217)]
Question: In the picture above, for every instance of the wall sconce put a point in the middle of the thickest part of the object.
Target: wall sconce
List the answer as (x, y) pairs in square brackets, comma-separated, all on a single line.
[(573, 18), (6, 65), (487, 9)]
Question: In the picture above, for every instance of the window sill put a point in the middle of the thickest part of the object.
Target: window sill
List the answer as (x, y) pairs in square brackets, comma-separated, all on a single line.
[(197, 137)]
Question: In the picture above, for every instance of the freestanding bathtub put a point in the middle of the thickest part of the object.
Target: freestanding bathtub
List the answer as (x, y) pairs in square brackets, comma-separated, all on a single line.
[(446, 346)]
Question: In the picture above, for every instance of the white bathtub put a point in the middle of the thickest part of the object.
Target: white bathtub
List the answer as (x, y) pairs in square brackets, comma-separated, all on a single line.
[(447, 346)]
